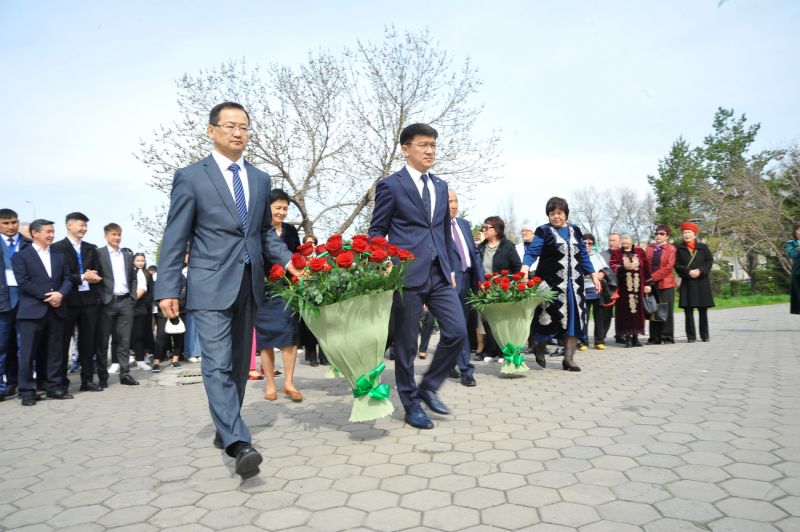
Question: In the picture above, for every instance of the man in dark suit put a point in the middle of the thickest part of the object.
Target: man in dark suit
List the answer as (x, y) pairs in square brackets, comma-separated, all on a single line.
[(411, 211), (10, 340), (44, 283), (83, 303), (468, 265), (220, 207), (117, 296)]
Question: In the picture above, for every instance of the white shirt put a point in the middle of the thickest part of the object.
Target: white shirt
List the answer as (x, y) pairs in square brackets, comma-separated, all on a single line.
[(118, 271), (459, 236), (76, 245), (223, 163), (44, 255), (416, 176), (141, 281), (10, 279)]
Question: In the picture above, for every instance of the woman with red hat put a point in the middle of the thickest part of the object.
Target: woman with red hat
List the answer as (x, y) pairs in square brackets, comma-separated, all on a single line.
[(693, 264)]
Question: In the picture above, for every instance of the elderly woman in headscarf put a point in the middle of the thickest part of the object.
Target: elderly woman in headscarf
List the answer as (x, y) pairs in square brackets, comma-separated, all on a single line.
[(693, 263), (630, 264), (661, 257)]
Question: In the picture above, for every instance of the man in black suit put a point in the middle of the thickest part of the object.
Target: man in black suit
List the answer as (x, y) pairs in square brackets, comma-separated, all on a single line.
[(44, 283), (468, 266), (10, 340), (117, 295), (83, 303)]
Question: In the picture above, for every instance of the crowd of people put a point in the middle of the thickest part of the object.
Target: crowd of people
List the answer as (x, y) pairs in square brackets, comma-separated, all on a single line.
[(226, 227)]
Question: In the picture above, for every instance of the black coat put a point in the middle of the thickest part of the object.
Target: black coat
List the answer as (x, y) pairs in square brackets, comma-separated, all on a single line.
[(90, 261), (694, 293), (505, 258)]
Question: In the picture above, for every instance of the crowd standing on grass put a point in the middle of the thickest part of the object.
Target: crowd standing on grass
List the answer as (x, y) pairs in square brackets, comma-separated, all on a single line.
[(226, 227)]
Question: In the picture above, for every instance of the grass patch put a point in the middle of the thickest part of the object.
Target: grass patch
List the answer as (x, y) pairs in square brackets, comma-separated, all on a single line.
[(750, 301)]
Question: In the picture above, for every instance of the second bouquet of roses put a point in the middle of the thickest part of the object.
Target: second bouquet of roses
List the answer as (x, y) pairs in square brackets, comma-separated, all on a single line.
[(508, 301), (345, 297)]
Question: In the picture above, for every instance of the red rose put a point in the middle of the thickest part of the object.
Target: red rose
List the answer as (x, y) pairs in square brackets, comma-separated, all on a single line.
[(306, 249), (359, 245), (317, 264), (488, 276), (391, 250), (498, 280), (522, 287), (276, 272), (411, 257), (486, 285), (378, 255), (345, 260), (517, 276), (365, 238), (298, 261), (334, 245), (295, 280), (320, 249), (505, 285), (531, 283), (403, 254), (378, 241), (327, 267), (537, 280), (504, 272)]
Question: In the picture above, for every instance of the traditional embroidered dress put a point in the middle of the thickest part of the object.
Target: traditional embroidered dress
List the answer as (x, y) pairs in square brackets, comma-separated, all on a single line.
[(629, 315), (563, 262)]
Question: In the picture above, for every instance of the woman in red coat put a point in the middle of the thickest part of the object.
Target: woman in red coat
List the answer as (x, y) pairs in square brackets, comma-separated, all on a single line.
[(661, 258), (630, 264)]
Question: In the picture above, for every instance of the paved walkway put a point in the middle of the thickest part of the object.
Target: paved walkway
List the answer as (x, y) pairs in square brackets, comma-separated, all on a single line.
[(683, 437)]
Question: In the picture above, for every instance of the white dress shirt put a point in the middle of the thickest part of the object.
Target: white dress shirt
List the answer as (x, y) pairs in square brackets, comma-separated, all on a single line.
[(118, 271), (10, 279), (76, 245), (223, 163), (416, 176), (44, 256)]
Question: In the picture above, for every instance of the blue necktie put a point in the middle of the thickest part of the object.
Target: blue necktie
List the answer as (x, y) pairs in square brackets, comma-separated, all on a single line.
[(11, 247), (241, 204), (426, 196)]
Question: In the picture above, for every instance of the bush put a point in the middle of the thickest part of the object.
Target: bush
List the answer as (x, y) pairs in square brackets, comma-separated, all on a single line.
[(766, 282), (718, 279)]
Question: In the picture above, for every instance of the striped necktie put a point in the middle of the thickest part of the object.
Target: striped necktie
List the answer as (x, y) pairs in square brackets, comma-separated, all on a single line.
[(241, 204)]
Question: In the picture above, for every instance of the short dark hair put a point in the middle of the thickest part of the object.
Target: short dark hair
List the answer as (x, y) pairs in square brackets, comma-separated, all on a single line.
[(795, 227), (152, 268), (38, 224), (498, 224), (213, 116), (112, 227), (6, 214), (310, 238), (556, 203), (665, 228), (76, 216), (588, 236), (277, 194), (411, 131)]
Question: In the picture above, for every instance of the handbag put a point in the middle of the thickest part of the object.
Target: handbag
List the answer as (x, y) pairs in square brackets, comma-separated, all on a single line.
[(662, 312), (649, 304)]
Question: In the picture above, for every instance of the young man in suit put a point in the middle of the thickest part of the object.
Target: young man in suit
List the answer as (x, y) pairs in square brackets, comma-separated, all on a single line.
[(10, 341), (220, 207), (411, 211), (83, 303), (44, 283), (468, 266), (117, 295)]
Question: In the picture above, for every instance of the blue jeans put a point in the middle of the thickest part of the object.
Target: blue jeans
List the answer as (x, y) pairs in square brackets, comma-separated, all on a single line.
[(10, 340)]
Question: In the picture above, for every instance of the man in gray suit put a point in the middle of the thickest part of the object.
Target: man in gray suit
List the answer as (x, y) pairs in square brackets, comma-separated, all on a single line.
[(219, 207)]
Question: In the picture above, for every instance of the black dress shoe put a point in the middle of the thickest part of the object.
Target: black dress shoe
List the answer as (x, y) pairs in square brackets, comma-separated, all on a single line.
[(468, 380), (91, 387), (636, 342), (434, 403), (570, 366), (667, 340), (11, 391), (103, 384), (691, 340), (418, 419), (454, 374), (218, 441), (29, 400), (705, 339), (314, 364), (247, 462), (60, 394), (628, 342), (128, 381)]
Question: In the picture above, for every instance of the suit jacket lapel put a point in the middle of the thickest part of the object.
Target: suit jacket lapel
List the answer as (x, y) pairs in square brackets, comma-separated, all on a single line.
[(411, 189), (217, 179), (253, 185)]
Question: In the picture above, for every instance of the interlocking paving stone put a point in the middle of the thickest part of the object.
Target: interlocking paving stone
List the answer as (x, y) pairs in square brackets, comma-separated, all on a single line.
[(674, 439)]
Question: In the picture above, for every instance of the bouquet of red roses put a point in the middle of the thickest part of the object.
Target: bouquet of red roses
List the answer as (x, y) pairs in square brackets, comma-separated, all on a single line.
[(345, 297), (508, 303)]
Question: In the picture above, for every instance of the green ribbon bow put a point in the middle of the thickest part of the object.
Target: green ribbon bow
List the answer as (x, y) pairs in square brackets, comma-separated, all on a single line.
[(367, 384), (513, 354)]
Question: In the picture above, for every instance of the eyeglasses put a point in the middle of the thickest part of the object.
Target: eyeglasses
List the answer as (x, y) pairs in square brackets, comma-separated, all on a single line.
[(487, 227), (230, 127), (661, 233), (424, 145)]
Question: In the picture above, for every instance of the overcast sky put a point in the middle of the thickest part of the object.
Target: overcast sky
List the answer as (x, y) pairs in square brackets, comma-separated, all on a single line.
[(584, 92)]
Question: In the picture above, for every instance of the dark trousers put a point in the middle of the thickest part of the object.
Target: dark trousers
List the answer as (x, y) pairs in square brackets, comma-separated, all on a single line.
[(10, 341), (142, 335), (425, 330), (703, 319), (665, 330), (85, 318), (463, 361), (116, 321), (226, 338), (442, 300), (166, 341), (602, 322), (43, 335)]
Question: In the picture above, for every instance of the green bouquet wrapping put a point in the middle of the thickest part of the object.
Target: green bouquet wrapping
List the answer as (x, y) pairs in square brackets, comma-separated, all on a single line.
[(508, 302), (353, 335)]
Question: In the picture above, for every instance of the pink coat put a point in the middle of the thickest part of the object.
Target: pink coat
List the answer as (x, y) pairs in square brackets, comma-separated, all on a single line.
[(663, 277)]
